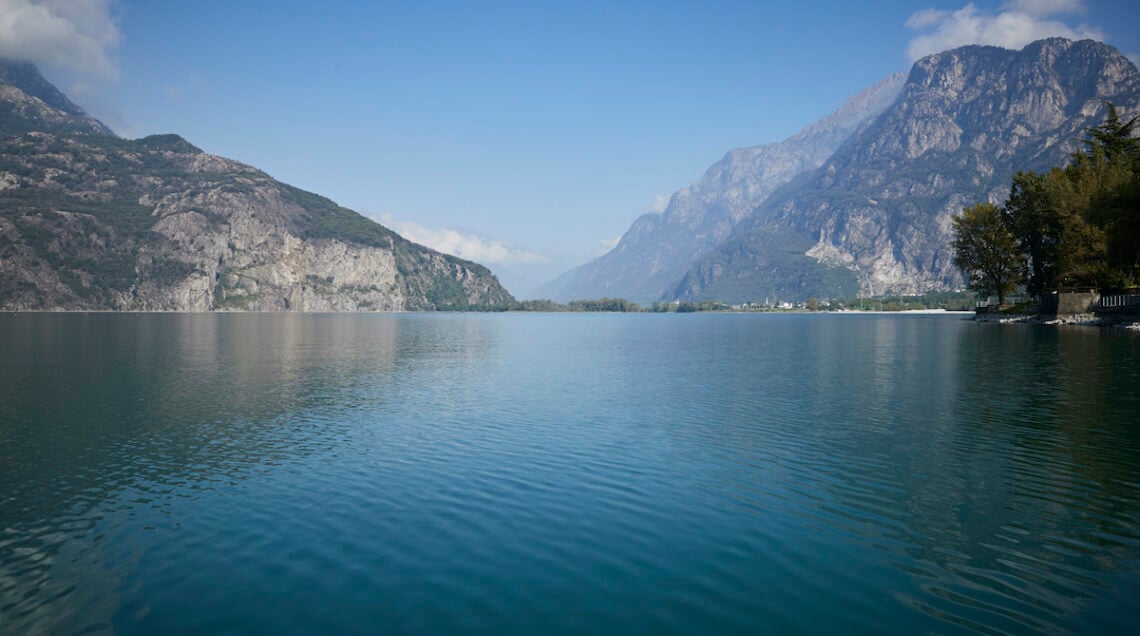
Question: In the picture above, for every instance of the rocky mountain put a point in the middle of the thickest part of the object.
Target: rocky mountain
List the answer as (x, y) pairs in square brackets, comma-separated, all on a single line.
[(92, 221), (658, 248), (875, 217)]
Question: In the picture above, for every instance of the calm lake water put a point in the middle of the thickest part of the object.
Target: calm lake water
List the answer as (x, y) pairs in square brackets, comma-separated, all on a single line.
[(556, 474)]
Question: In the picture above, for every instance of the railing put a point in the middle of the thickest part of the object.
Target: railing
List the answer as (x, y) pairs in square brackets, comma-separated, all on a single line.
[(1013, 299), (1119, 301), (1116, 303)]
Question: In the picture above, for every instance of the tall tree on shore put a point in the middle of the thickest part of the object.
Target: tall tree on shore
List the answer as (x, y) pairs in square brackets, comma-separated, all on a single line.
[(1113, 152), (1080, 225), (1118, 210), (1116, 139), (1080, 254), (1031, 214), (986, 251)]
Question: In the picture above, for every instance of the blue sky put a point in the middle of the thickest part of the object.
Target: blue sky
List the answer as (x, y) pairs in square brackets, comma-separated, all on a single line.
[(525, 135)]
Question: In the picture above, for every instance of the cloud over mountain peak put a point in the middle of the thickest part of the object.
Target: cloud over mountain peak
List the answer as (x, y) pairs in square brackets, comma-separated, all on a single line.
[(1017, 24)]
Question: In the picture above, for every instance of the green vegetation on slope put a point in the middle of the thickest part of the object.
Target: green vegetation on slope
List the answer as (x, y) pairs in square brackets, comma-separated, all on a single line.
[(741, 271)]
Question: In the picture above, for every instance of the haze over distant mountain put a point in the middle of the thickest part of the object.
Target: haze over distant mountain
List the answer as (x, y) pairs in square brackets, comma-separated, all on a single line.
[(658, 248), (92, 221)]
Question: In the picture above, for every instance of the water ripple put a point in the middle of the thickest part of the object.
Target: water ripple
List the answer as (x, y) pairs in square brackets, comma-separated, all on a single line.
[(565, 474)]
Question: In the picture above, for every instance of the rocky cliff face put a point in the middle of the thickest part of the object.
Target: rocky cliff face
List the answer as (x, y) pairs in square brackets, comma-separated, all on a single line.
[(658, 248), (91, 221), (875, 217)]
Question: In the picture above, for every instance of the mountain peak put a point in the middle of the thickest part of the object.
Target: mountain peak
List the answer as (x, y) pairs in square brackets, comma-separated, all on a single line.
[(34, 103)]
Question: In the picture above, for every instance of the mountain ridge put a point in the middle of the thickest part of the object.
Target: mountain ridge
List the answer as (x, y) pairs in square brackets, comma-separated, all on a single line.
[(89, 220)]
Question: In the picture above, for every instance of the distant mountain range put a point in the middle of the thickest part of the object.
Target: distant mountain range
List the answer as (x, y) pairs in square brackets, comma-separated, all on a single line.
[(857, 203), (861, 201), (92, 221), (658, 249)]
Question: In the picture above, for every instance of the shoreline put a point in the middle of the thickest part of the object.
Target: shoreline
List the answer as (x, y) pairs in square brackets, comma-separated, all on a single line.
[(1074, 320)]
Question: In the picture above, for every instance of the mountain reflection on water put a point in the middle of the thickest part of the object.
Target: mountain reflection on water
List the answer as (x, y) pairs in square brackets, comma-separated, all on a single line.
[(569, 473)]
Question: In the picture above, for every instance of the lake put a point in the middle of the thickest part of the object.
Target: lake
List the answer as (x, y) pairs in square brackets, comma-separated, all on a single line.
[(566, 474)]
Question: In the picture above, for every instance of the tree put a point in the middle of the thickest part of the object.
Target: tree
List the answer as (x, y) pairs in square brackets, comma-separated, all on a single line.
[(1031, 215), (1080, 251), (1118, 211), (1114, 138), (1048, 215), (1113, 157), (986, 252)]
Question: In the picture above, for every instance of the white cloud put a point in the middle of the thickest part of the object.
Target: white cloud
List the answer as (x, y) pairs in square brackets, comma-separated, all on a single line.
[(926, 18), (76, 35), (464, 245), (1022, 22)]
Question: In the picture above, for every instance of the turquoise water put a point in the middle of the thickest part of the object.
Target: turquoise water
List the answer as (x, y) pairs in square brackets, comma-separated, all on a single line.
[(559, 474)]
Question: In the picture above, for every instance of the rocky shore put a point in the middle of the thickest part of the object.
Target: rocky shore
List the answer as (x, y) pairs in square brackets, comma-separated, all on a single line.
[(1085, 319)]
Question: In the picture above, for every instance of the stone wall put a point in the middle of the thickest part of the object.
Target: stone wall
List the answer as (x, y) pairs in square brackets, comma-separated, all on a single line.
[(1068, 303)]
